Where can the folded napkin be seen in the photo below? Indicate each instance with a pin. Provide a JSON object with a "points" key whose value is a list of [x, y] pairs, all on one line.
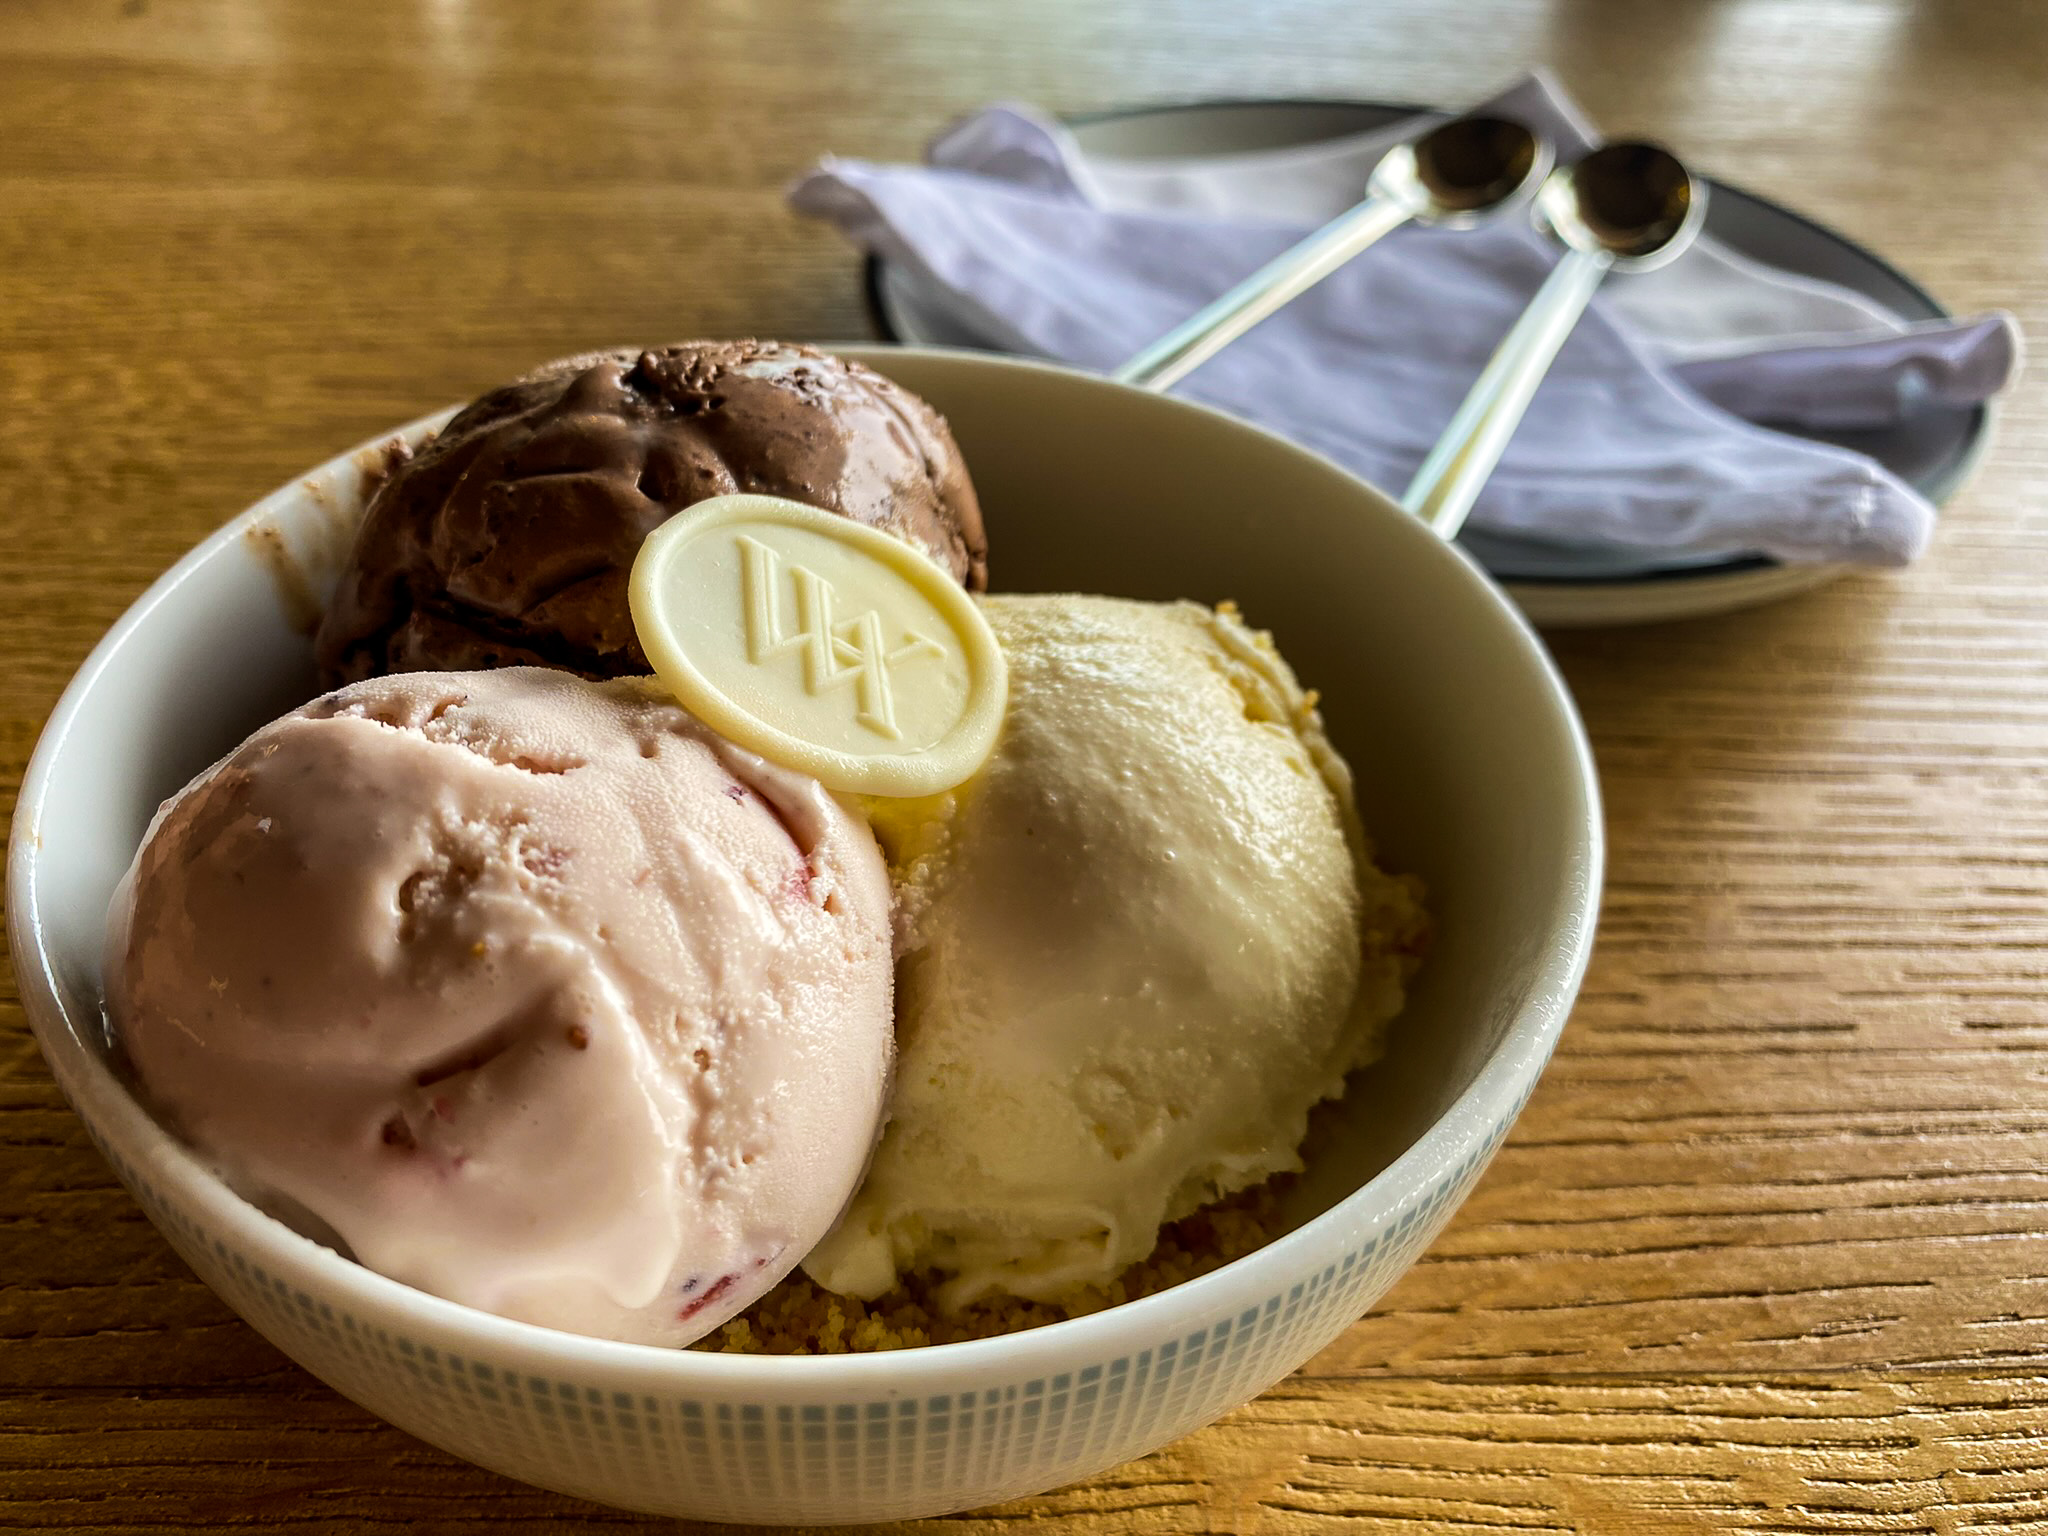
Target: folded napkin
{"points": [[1633, 439]]}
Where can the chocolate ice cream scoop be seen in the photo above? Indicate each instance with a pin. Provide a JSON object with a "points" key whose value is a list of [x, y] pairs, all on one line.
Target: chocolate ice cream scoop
{"points": [[508, 540]]}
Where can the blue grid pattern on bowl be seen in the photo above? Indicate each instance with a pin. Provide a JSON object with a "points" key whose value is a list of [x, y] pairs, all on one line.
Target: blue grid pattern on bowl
{"points": [[726, 1459]]}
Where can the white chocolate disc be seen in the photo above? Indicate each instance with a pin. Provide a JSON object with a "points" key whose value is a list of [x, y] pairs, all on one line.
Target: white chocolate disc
{"points": [[821, 644]]}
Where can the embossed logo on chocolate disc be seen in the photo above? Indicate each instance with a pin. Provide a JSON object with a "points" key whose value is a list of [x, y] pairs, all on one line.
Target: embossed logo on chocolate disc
{"points": [[821, 644], [836, 654]]}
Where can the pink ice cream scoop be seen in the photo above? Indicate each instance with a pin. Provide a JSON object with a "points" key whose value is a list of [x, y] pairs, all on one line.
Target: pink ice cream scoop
{"points": [[532, 992]]}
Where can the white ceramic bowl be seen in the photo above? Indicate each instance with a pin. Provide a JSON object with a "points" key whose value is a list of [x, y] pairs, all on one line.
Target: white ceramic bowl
{"points": [[1472, 771]]}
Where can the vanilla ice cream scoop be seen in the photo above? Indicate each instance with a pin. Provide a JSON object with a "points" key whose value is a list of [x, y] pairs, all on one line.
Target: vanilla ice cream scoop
{"points": [[1136, 949], [531, 992]]}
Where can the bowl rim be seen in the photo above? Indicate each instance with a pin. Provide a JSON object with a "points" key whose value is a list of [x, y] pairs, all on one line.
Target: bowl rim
{"points": [[1492, 1099]]}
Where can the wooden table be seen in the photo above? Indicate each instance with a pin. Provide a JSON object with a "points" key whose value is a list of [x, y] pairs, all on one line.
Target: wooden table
{"points": [[1769, 1250]]}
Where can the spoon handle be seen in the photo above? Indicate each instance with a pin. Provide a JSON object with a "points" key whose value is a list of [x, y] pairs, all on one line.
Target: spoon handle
{"points": [[1445, 488], [1295, 270]]}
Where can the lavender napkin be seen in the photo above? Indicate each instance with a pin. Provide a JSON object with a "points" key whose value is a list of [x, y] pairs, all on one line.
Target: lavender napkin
{"points": [[1632, 440]]}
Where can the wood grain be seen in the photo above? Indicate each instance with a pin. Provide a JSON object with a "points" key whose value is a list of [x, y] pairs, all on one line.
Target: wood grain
{"points": [[1769, 1250]]}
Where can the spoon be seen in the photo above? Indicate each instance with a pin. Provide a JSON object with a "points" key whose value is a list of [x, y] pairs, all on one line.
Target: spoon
{"points": [[1454, 175], [1628, 207]]}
